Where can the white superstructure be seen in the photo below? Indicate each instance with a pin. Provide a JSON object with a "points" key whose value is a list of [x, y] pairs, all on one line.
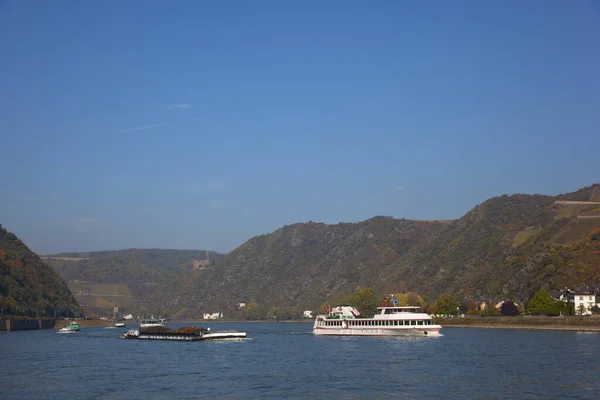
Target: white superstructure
{"points": [[389, 321], [149, 323]]}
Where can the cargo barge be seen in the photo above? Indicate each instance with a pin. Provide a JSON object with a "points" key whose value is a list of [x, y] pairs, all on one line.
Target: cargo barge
{"points": [[188, 333]]}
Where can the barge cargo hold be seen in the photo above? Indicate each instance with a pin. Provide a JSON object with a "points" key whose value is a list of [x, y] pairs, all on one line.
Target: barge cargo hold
{"points": [[188, 333]]}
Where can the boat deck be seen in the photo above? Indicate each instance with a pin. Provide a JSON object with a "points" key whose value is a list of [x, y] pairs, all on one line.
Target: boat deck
{"points": [[188, 337]]}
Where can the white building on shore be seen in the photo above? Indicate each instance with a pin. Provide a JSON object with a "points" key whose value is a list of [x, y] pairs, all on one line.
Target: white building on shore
{"points": [[584, 302]]}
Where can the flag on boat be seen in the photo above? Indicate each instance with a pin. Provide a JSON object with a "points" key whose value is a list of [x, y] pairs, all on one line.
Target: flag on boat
{"points": [[395, 302], [327, 309]]}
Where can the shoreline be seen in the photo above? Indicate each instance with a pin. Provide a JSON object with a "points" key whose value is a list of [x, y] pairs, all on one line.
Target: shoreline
{"points": [[84, 323], [529, 327], [574, 323], [538, 323], [201, 321]]}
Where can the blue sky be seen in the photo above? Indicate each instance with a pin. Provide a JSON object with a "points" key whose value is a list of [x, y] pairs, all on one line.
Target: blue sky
{"points": [[193, 124]]}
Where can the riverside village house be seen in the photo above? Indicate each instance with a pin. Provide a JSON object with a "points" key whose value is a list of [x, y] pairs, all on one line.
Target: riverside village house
{"points": [[583, 300]]}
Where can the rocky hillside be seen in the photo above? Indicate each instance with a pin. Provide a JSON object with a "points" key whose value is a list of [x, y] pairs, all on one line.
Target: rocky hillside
{"points": [[27, 285], [299, 265], [506, 247]]}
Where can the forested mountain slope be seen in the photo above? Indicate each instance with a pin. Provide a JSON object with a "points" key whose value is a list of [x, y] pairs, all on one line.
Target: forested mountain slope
{"points": [[506, 247], [27, 285]]}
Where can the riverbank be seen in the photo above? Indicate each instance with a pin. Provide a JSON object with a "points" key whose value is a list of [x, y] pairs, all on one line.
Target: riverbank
{"points": [[591, 323], [24, 324], [83, 323], [213, 321]]}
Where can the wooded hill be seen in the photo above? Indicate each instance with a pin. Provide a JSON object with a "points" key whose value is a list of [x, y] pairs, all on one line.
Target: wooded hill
{"points": [[29, 287], [127, 278], [505, 248]]}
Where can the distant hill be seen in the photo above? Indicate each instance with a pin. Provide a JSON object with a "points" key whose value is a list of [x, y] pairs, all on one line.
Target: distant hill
{"points": [[127, 278], [506, 247], [27, 285]]}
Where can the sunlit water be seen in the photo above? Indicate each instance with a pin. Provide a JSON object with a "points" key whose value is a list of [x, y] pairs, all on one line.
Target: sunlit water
{"points": [[284, 360]]}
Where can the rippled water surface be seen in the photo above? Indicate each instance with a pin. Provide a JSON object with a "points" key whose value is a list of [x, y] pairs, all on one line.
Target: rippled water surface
{"points": [[284, 360]]}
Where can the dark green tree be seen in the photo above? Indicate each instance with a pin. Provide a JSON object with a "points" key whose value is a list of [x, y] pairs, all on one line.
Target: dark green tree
{"points": [[566, 307], [543, 304]]}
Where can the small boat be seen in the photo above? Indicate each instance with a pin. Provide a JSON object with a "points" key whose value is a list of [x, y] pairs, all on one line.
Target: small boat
{"points": [[70, 328], [120, 325], [389, 321]]}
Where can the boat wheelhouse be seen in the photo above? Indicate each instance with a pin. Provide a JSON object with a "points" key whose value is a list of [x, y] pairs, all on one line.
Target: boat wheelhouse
{"points": [[389, 321], [150, 323]]}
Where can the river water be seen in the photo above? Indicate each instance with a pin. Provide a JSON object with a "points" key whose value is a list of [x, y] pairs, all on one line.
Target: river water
{"points": [[285, 361]]}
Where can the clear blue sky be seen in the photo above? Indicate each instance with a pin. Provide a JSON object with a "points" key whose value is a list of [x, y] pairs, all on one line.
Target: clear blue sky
{"points": [[196, 124]]}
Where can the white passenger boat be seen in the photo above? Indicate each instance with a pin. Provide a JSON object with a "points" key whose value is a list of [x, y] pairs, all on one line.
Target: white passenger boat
{"points": [[389, 321]]}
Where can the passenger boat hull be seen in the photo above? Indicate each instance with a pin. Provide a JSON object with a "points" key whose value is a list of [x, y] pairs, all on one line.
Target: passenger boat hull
{"points": [[412, 331]]}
